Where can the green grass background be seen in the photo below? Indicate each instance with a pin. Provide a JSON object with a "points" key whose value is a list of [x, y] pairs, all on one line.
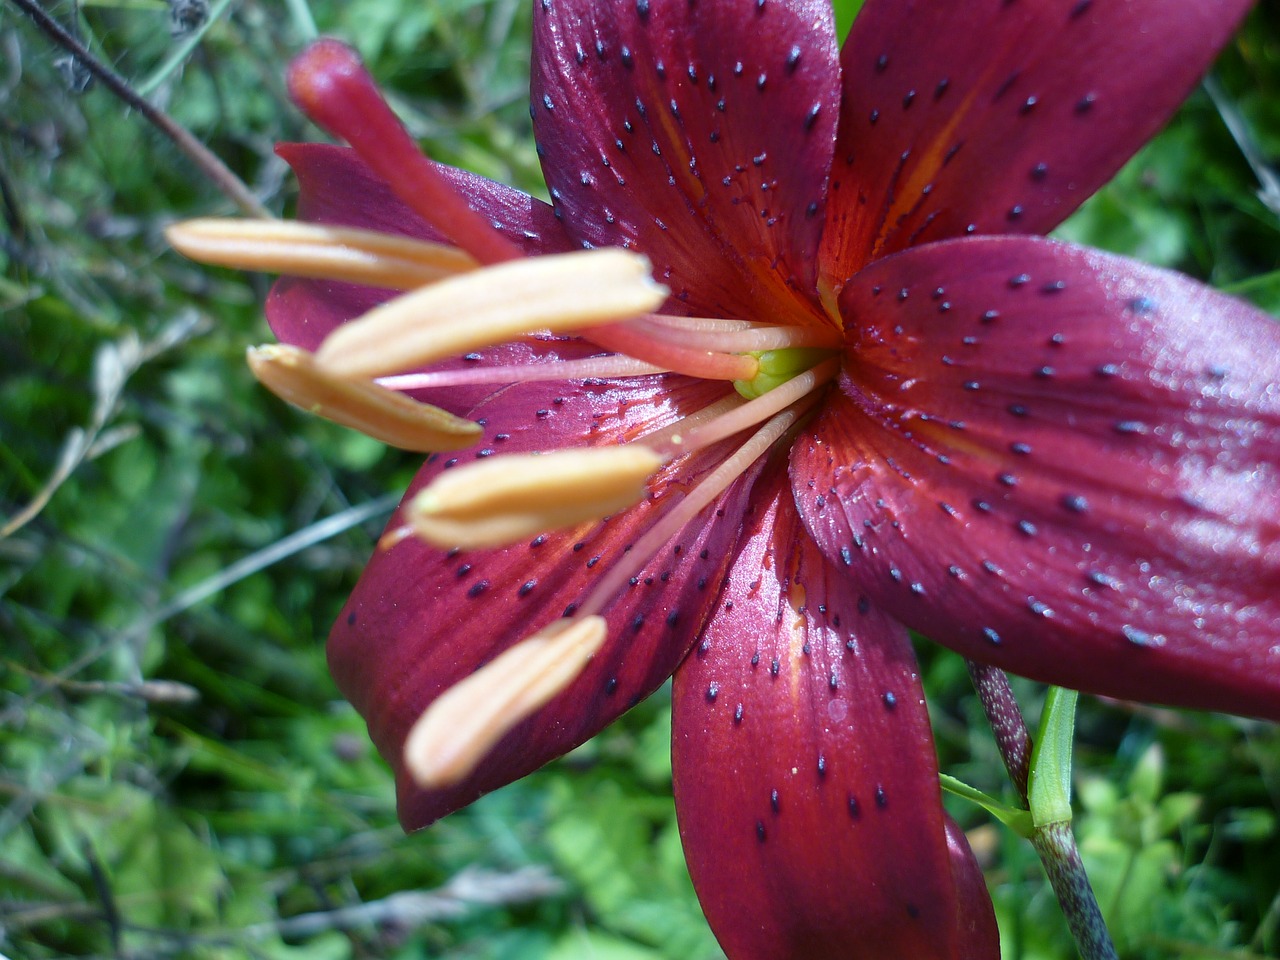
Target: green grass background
{"points": [[178, 776]]}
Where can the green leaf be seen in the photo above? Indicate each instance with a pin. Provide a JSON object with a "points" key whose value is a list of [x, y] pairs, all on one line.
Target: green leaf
{"points": [[1049, 785], [1017, 820]]}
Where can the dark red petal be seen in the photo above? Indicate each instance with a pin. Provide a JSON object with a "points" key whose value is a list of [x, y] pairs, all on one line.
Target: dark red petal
{"points": [[699, 134], [1063, 463], [805, 778], [975, 919], [421, 619], [336, 187], [1001, 117]]}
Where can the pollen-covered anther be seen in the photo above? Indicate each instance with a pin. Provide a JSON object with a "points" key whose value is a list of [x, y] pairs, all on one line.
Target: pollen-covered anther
{"points": [[493, 503], [560, 294], [464, 723], [291, 374], [325, 252]]}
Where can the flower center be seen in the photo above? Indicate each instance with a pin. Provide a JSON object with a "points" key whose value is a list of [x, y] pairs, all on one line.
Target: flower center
{"points": [[450, 306], [779, 366]]}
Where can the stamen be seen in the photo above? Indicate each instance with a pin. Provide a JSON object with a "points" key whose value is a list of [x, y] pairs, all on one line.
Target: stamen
{"points": [[757, 339], [704, 364], [331, 85], [586, 368], [324, 252], [465, 722], [492, 503], [671, 437], [291, 374], [750, 413], [562, 293], [683, 512]]}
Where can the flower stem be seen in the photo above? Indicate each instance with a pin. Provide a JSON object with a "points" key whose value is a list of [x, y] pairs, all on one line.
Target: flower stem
{"points": [[1053, 840], [1056, 845], [232, 186]]}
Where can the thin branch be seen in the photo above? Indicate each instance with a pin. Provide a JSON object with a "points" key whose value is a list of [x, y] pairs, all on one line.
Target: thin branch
{"points": [[209, 164]]}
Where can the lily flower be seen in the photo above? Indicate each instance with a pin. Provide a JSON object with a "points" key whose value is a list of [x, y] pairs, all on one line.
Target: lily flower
{"points": [[784, 371]]}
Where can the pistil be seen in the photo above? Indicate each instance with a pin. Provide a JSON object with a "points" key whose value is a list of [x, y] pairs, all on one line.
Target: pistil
{"points": [[651, 347], [334, 89], [753, 339]]}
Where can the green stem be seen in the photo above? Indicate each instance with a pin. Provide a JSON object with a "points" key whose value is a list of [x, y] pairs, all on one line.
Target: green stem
{"points": [[1056, 846], [1042, 777]]}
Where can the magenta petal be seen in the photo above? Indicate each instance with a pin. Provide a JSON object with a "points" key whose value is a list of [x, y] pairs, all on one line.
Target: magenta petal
{"points": [[1000, 117], [1063, 463], [699, 134], [421, 619], [336, 187], [805, 779]]}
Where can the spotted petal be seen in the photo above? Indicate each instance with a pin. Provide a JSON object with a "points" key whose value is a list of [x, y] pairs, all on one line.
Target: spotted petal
{"points": [[700, 134], [421, 619], [337, 188], [1061, 462], [1001, 117], [805, 778]]}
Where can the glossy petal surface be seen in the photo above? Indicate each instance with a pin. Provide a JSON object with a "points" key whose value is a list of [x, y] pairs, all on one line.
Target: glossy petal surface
{"points": [[337, 188], [1001, 117], [805, 778], [421, 619], [699, 134], [1063, 463]]}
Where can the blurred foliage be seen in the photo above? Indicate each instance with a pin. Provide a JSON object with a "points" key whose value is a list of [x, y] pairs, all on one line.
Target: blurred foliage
{"points": [[178, 776]]}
